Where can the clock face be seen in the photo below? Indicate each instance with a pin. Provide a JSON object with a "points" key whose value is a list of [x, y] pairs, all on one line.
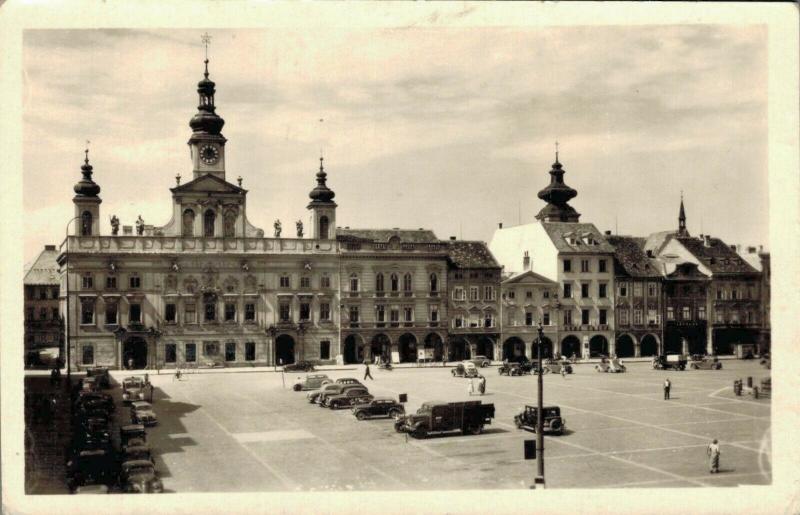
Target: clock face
{"points": [[209, 154]]}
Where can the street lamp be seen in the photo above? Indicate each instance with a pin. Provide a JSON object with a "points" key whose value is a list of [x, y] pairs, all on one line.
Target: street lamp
{"points": [[540, 401], [66, 318]]}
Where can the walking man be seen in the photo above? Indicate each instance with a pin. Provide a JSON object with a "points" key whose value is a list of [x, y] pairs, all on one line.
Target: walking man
{"points": [[667, 386], [564, 371], [482, 385], [713, 457], [366, 372]]}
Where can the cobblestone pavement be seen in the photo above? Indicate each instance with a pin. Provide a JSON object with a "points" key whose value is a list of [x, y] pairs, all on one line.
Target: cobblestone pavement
{"points": [[246, 432]]}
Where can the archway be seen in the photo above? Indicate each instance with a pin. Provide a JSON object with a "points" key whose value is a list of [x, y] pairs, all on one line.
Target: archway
{"points": [[459, 350], [134, 353], [408, 348], [649, 346], [513, 349], [284, 349], [381, 346], [673, 341], [598, 346], [547, 348], [353, 351], [434, 341], [485, 347], [570, 346], [625, 346]]}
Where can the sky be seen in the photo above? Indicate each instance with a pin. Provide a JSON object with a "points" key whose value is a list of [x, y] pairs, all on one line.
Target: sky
{"points": [[450, 129]]}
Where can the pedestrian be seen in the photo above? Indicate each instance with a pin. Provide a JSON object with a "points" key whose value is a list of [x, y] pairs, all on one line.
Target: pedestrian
{"points": [[54, 377], [713, 457], [563, 371], [482, 385], [366, 372], [470, 387], [130, 363], [667, 386]]}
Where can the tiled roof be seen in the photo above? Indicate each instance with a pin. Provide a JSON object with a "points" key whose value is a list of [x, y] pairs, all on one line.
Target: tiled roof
{"points": [[581, 234], [657, 241], [630, 258], [384, 235], [470, 254], [717, 256], [45, 269], [529, 274]]}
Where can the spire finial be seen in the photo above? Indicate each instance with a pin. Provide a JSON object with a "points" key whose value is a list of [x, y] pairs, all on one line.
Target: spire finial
{"points": [[681, 195], [86, 151], [206, 39], [556, 151], [321, 159]]}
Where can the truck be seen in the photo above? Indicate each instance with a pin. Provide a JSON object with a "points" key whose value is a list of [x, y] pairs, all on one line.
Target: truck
{"points": [[670, 361], [438, 417]]}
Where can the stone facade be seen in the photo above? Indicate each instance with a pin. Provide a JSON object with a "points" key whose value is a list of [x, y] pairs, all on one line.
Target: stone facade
{"points": [[529, 299]]}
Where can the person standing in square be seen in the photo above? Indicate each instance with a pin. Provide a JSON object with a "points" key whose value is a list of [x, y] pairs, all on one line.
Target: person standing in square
{"points": [[713, 457], [667, 386]]}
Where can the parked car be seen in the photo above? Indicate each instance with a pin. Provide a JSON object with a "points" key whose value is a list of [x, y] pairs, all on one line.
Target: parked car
{"points": [[89, 467], [142, 413], [465, 369], [335, 389], [139, 476], [93, 433], [552, 422], [131, 436], [441, 417], [705, 363], [137, 452], [556, 366], [379, 407], [613, 365], [669, 361], [513, 369], [348, 398], [133, 389], [299, 366], [480, 361], [311, 382], [102, 375], [85, 397], [89, 384]]}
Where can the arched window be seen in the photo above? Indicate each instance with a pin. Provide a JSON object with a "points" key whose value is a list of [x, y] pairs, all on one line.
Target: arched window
{"points": [[434, 283], [323, 228], [86, 224], [394, 282], [407, 282], [208, 223], [188, 222], [379, 282], [353, 283], [230, 224]]}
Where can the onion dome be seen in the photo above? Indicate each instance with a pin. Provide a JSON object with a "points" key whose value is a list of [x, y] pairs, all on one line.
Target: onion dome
{"points": [[206, 120], [322, 194], [86, 187], [557, 194]]}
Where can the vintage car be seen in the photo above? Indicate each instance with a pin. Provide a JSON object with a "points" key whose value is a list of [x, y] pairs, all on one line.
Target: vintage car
{"points": [[334, 389], [133, 389], [480, 361], [137, 452], [311, 382], [139, 476], [613, 365], [142, 413], [89, 384], [94, 408], [513, 369], [132, 435], [90, 467], [347, 398], [379, 407], [465, 369], [101, 374], [93, 433], [313, 395], [555, 366], [766, 361], [705, 363], [85, 396], [669, 362], [551, 419], [442, 417], [299, 366]]}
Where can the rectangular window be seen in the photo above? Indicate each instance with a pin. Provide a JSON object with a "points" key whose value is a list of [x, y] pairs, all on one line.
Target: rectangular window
{"points": [[111, 313], [474, 293], [567, 291], [28, 313], [546, 318], [408, 314], [249, 312], [701, 312], [652, 316], [170, 315], [305, 282], [191, 352], [473, 320], [87, 282], [433, 313], [54, 293], [210, 311], [380, 313], [305, 311], [568, 317], [190, 313], [670, 313], [528, 294], [88, 355], [568, 265], [719, 293], [170, 353], [622, 290], [651, 289], [135, 313], [584, 317], [719, 316], [284, 312], [324, 311], [325, 349], [545, 294], [637, 289], [353, 314], [734, 317], [637, 317], [734, 294], [55, 313], [528, 318], [488, 320], [230, 311], [584, 290], [135, 282], [584, 265], [353, 283], [394, 315], [603, 317], [458, 321], [511, 294], [325, 281], [43, 314], [87, 312], [602, 265], [488, 293], [111, 282], [458, 293], [686, 313], [284, 281], [42, 294], [623, 317], [250, 351], [230, 351], [602, 290]]}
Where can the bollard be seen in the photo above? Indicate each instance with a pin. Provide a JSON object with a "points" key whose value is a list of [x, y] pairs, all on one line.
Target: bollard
{"points": [[749, 381]]}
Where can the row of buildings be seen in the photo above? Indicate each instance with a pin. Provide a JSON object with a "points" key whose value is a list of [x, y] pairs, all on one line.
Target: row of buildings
{"points": [[208, 287]]}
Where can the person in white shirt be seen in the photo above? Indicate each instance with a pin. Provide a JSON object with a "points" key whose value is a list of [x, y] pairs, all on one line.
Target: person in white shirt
{"points": [[713, 457]]}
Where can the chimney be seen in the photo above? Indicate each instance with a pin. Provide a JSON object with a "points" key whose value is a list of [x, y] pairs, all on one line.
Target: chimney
{"points": [[733, 247], [452, 238], [49, 247], [500, 225], [761, 248], [707, 241], [751, 250], [526, 261], [608, 233]]}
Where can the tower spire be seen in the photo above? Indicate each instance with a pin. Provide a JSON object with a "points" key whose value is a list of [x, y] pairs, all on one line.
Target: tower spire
{"points": [[557, 195], [682, 219]]}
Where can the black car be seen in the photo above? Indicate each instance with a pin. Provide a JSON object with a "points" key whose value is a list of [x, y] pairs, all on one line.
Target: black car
{"points": [[551, 419], [140, 476], [90, 467], [379, 407], [299, 366], [101, 374]]}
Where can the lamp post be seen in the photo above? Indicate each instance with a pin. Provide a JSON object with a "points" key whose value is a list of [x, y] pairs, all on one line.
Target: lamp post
{"points": [[66, 284], [539, 408]]}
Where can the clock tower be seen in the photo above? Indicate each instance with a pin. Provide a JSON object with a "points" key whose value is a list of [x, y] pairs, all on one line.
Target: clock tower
{"points": [[207, 143]]}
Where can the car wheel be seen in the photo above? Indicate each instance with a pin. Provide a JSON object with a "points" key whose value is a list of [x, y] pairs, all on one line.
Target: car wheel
{"points": [[420, 432], [334, 405], [484, 364], [394, 413], [475, 430], [397, 426], [360, 415], [296, 387]]}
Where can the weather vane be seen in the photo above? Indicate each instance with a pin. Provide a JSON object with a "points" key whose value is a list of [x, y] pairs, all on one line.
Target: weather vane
{"points": [[86, 151], [206, 39]]}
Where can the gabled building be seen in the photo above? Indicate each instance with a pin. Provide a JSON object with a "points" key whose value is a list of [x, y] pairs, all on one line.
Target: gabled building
{"points": [[43, 327], [528, 299], [473, 293]]}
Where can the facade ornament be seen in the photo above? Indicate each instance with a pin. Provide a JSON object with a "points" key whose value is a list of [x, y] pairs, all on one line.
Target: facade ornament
{"points": [[175, 267], [277, 226], [307, 265], [299, 225], [112, 266], [114, 225], [245, 266], [139, 225]]}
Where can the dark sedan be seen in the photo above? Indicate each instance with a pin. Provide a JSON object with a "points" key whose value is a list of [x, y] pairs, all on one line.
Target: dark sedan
{"points": [[379, 407]]}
